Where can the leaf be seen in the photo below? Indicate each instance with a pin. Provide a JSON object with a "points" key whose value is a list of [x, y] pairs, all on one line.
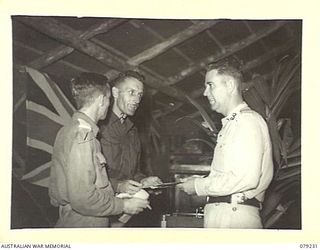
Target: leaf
{"points": [[288, 174], [153, 131], [281, 209], [275, 139], [296, 145], [254, 101], [203, 113], [211, 145], [270, 203], [290, 67], [293, 162], [211, 134], [278, 106], [294, 154], [276, 76], [262, 89], [283, 185], [286, 80]]}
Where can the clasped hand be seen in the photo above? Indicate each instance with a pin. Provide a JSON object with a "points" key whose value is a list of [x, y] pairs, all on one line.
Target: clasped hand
{"points": [[187, 185], [150, 181], [132, 187], [129, 186]]}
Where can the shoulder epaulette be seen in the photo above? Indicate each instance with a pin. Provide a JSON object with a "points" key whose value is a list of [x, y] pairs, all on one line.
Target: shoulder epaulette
{"points": [[85, 132], [246, 110]]}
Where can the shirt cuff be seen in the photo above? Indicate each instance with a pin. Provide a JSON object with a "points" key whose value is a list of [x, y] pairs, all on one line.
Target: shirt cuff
{"points": [[200, 186]]}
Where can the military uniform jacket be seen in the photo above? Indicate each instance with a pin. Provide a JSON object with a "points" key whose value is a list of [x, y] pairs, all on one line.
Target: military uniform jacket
{"points": [[242, 161], [79, 184]]}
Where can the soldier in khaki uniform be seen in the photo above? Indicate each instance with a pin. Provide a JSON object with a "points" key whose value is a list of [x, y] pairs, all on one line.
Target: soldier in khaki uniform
{"points": [[79, 185], [242, 166]]}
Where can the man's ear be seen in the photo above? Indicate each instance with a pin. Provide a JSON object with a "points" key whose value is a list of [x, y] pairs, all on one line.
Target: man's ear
{"points": [[231, 85], [101, 100], [115, 92]]}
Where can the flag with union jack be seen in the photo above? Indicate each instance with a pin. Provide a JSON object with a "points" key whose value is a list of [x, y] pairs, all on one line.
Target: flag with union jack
{"points": [[47, 110]]}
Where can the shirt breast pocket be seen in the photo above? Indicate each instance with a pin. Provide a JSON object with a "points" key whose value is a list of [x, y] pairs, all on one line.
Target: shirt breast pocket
{"points": [[224, 146]]}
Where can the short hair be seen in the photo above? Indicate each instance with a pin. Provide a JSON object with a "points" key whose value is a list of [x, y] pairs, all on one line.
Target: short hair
{"points": [[227, 67], [117, 82], [87, 86]]}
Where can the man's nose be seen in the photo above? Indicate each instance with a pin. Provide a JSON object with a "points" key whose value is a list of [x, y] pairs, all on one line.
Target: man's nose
{"points": [[205, 92], [136, 98]]}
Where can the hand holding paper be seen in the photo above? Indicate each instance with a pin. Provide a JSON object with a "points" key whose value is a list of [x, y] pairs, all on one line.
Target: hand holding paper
{"points": [[139, 201]]}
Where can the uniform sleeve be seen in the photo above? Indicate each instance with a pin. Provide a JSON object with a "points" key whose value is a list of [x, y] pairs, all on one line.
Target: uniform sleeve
{"points": [[85, 197], [112, 154], [242, 158]]}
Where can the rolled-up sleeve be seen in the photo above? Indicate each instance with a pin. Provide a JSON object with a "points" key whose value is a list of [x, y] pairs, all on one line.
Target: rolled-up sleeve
{"points": [[240, 157], [85, 197]]}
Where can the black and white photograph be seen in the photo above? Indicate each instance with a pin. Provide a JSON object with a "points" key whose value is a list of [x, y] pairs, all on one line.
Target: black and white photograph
{"points": [[122, 122]]}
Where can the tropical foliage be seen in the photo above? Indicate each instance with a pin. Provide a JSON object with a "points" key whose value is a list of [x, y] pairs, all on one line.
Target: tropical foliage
{"points": [[270, 100]]}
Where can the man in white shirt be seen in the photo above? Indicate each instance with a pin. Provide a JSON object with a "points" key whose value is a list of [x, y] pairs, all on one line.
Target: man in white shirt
{"points": [[242, 166]]}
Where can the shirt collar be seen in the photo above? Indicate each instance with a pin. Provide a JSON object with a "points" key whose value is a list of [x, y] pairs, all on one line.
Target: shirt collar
{"points": [[121, 116], [83, 116], [114, 119], [234, 113]]}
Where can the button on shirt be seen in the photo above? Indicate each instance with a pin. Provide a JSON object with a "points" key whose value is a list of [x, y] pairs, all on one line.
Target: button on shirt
{"points": [[242, 159], [79, 183]]}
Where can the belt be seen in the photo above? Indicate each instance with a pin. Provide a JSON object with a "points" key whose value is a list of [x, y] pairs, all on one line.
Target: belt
{"points": [[227, 199]]}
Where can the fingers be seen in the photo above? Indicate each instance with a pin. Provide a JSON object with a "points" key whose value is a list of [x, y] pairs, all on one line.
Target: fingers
{"points": [[141, 204], [130, 186], [151, 181], [134, 205], [180, 186], [134, 183], [133, 189], [157, 181]]}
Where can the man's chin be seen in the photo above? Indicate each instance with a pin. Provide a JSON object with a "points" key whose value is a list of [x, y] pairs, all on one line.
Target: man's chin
{"points": [[213, 106], [130, 112]]}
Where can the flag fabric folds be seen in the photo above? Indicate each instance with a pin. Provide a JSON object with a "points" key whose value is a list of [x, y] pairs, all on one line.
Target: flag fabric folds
{"points": [[43, 121]]}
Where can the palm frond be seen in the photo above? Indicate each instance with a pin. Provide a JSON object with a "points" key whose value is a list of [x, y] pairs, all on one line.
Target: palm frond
{"points": [[262, 88], [296, 145], [212, 135], [275, 139], [287, 174], [294, 154], [280, 210], [276, 75], [210, 144], [254, 101], [284, 185], [281, 102], [292, 162], [203, 113], [286, 80]]}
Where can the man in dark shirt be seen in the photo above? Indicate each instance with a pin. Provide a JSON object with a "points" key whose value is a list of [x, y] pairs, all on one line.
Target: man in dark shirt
{"points": [[119, 137]]}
